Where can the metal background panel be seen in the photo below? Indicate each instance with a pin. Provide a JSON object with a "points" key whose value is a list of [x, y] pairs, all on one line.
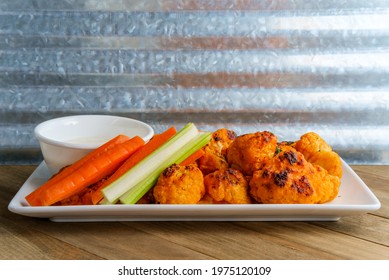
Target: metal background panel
{"points": [[284, 66]]}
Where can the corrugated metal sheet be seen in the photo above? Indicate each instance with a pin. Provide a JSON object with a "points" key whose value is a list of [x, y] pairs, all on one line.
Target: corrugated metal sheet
{"points": [[283, 66]]}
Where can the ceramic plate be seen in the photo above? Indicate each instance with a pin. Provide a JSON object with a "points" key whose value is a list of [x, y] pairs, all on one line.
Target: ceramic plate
{"points": [[354, 198]]}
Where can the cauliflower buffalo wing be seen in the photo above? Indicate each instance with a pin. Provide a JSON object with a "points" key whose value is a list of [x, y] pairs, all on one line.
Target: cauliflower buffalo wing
{"points": [[289, 178], [180, 185], [317, 151], [215, 151], [227, 186], [249, 152]]}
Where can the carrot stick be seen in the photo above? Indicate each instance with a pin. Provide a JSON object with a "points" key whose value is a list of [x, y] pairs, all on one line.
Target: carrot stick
{"points": [[34, 197], [193, 157], [143, 152], [92, 171]]}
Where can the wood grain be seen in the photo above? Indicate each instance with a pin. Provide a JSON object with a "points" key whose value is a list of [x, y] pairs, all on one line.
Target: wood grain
{"points": [[364, 236]]}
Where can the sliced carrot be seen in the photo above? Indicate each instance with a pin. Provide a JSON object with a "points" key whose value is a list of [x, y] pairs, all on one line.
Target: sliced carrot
{"points": [[193, 157], [90, 172], [143, 152], [34, 197]]}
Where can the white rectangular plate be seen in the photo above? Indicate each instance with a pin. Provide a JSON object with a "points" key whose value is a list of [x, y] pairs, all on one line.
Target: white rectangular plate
{"points": [[354, 198]]}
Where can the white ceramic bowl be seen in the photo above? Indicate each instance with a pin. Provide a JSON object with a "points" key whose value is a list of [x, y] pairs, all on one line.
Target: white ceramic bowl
{"points": [[67, 139]]}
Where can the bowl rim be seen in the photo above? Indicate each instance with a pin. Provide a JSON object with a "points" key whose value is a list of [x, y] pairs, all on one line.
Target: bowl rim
{"points": [[59, 143]]}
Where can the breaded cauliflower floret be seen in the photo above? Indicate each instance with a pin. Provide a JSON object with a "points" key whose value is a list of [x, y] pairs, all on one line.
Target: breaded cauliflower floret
{"points": [[227, 186], [249, 152], [215, 151], [180, 185], [328, 185], [290, 178], [318, 152]]}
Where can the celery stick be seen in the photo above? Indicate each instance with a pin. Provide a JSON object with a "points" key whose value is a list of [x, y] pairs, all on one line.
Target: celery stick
{"points": [[203, 139], [135, 193], [143, 169]]}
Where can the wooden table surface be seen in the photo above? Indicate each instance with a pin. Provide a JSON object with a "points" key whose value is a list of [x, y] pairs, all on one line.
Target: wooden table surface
{"points": [[364, 236]]}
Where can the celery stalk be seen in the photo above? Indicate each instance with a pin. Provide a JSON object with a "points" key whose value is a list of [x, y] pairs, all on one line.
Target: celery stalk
{"points": [[147, 166], [135, 193], [202, 139]]}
